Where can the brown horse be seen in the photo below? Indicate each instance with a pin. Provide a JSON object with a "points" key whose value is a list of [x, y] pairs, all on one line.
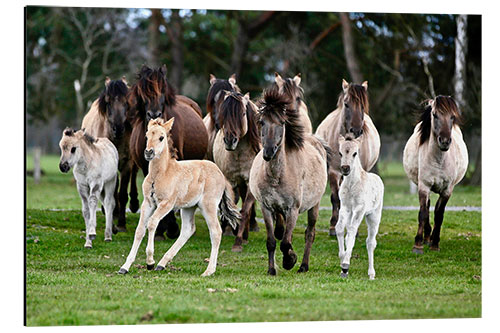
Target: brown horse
{"points": [[213, 97], [235, 147], [153, 97], [435, 158], [107, 118], [351, 117]]}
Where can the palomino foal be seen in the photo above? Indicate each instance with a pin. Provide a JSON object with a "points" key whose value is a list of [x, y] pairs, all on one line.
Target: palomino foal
{"points": [[95, 166], [361, 195], [435, 158], [184, 185]]}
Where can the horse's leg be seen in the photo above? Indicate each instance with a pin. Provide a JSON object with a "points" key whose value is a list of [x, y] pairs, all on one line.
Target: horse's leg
{"points": [[116, 209], [279, 230], [423, 219], [109, 204], [147, 208], [248, 204], [289, 257], [312, 217], [344, 216], [271, 241], [134, 201], [254, 226], [123, 198], [84, 194], [95, 191], [352, 228], [187, 230], [227, 230], [372, 222], [244, 190], [335, 200], [162, 209], [210, 214], [427, 227], [168, 224], [438, 220]]}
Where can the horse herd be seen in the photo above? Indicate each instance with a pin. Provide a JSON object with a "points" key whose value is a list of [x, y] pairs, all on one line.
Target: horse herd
{"points": [[263, 150]]}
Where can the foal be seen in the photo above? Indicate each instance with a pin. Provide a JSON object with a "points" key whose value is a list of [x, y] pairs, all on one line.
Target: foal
{"points": [[435, 158], [184, 185], [95, 166], [361, 195]]}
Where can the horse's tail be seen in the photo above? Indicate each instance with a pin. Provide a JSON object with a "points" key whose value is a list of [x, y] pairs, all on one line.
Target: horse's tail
{"points": [[228, 211]]}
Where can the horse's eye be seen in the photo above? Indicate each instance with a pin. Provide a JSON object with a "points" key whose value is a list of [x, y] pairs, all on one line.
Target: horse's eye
{"points": [[434, 115], [73, 150], [354, 155], [346, 105], [161, 138], [452, 118], [340, 154]]}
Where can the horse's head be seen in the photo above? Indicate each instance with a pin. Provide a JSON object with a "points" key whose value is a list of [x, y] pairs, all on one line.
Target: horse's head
{"points": [[71, 147], [112, 105], [157, 137], [289, 86], [348, 150], [280, 123], [444, 114], [354, 103], [216, 93], [233, 117]]}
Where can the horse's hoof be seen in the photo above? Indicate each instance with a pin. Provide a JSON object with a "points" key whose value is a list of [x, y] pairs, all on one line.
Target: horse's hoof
{"points": [[371, 277], [332, 232], [134, 206], [159, 238], [150, 267], [114, 230], [237, 248], [271, 271], [92, 236], [418, 250], [345, 267], [344, 275], [120, 228], [107, 240], [279, 232], [158, 268], [254, 227], [434, 248], [303, 268], [122, 271], [87, 246], [289, 261]]}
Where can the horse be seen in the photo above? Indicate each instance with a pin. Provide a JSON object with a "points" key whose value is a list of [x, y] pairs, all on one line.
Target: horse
{"points": [[235, 147], [350, 117], [291, 87], [153, 97], [213, 96], [288, 176], [183, 185], [361, 195], [107, 118], [95, 165], [435, 158]]}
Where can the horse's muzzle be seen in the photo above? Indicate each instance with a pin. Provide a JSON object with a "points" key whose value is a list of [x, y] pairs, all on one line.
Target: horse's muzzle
{"points": [[64, 167], [149, 154], [345, 169], [444, 143]]}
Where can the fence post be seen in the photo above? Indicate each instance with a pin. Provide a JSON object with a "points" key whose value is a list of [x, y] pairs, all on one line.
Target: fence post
{"points": [[37, 170]]}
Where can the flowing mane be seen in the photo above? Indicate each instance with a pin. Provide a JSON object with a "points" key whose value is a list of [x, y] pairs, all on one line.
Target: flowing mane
{"points": [[357, 95], [290, 89], [115, 88], [280, 109], [151, 85], [445, 105]]}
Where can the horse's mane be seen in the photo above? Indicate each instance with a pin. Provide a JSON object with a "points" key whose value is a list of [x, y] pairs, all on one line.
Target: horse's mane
{"points": [[87, 138], [358, 95], [231, 116], [442, 104], [279, 108], [150, 85], [115, 88], [218, 87], [290, 89]]}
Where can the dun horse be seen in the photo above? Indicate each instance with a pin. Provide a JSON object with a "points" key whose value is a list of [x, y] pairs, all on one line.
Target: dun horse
{"points": [[350, 117], [292, 89], [153, 97], [288, 177], [217, 86], [94, 163], [235, 147], [107, 118], [182, 185], [361, 194], [435, 158]]}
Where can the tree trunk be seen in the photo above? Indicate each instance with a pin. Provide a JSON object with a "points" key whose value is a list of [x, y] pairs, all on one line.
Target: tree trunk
{"points": [[460, 55], [350, 54], [154, 37], [176, 49]]}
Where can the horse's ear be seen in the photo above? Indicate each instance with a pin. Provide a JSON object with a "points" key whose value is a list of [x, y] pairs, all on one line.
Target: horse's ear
{"points": [[68, 131], [232, 80], [297, 79], [345, 86], [163, 69], [124, 80], [365, 85], [107, 81], [246, 99], [212, 79], [168, 125], [341, 139]]}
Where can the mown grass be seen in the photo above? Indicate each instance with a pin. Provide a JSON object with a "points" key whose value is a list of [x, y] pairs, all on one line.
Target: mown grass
{"points": [[69, 285]]}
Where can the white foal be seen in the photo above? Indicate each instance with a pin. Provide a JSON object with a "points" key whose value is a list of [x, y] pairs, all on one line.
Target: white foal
{"points": [[361, 194], [95, 167]]}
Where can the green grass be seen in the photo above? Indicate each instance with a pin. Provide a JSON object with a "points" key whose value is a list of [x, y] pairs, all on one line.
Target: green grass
{"points": [[69, 285]]}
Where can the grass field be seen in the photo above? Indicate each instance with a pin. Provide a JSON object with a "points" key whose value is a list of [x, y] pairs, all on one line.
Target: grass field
{"points": [[69, 285]]}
